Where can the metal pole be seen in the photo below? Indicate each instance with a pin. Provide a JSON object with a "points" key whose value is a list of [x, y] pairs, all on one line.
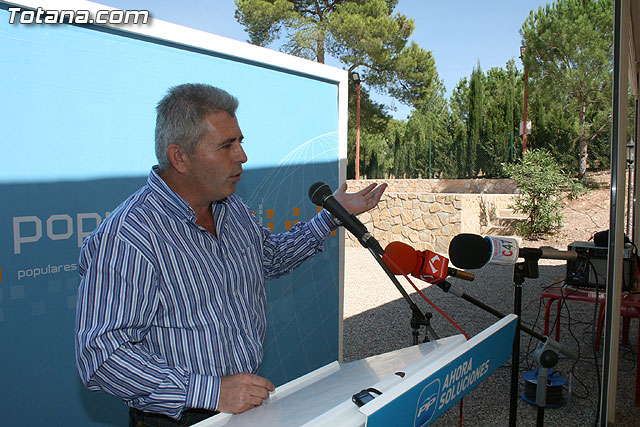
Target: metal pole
{"points": [[634, 169], [523, 49], [518, 281], [621, 36], [429, 171], [358, 132], [629, 165], [524, 116]]}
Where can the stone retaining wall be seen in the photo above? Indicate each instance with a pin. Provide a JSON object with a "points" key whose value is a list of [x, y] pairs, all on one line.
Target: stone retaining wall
{"points": [[456, 186], [412, 212]]}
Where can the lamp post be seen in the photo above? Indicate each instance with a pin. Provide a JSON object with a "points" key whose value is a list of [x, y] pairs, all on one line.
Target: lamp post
{"points": [[523, 49], [356, 79], [631, 151]]}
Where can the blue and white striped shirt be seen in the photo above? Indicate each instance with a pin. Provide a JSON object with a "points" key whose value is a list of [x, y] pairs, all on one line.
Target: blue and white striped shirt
{"points": [[165, 308]]}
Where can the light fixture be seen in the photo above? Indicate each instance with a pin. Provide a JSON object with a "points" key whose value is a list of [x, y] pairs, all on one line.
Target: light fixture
{"points": [[523, 49]]}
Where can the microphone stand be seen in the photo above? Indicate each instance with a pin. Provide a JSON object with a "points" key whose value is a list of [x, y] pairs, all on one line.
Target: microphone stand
{"points": [[418, 319], [528, 268], [321, 195]]}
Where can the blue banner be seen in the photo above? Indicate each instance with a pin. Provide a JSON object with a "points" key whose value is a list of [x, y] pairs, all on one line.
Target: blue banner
{"points": [[78, 118]]}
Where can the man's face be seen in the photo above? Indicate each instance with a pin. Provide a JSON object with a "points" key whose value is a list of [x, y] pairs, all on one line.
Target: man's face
{"points": [[216, 165]]}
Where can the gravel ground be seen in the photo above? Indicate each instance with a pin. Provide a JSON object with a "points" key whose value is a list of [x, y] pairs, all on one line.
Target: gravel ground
{"points": [[377, 321]]}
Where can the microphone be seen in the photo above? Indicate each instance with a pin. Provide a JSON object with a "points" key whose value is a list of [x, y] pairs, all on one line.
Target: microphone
{"points": [[424, 265], [321, 195], [472, 251]]}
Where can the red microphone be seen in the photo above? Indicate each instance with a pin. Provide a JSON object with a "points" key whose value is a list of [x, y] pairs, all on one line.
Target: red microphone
{"points": [[424, 265]]}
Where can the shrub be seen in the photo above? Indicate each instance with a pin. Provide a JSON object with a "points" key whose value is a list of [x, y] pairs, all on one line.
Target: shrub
{"points": [[541, 183]]}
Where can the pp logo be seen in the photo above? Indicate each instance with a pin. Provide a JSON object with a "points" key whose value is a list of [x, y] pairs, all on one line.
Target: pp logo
{"points": [[427, 403]]}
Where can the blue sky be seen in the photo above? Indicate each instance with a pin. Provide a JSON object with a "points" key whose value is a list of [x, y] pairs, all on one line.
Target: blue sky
{"points": [[459, 33]]}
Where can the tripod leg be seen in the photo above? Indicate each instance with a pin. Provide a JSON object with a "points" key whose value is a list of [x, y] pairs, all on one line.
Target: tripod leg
{"points": [[429, 330], [541, 394]]}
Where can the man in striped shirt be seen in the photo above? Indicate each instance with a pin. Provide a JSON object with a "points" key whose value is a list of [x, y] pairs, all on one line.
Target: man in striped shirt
{"points": [[171, 309]]}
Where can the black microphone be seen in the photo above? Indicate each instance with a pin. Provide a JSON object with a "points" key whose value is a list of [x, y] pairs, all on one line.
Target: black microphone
{"points": [[470, 251], [321, 195]]}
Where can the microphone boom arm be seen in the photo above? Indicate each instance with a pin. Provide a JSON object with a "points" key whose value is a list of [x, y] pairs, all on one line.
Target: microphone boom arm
{"points": [[449, 288]]}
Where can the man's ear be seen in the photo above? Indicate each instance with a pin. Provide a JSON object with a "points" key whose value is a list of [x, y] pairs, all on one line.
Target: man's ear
{"points": [[177, 158]]}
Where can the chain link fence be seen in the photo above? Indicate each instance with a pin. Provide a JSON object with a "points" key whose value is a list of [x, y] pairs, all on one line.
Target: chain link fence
{"points": [[433, 158]]}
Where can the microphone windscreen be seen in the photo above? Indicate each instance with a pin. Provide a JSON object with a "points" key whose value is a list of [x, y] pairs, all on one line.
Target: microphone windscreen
{"points": [[469, 251], [601, 238], [403, 256], [318, 192]]}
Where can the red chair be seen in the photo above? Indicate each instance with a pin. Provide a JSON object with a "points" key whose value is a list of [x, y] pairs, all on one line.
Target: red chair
{"points": [[629, 308]]}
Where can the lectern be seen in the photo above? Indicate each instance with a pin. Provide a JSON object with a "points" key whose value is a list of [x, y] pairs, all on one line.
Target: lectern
{"points": [[412, 386]]}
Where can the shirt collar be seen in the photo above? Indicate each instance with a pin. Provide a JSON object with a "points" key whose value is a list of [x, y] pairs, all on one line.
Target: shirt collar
{"points": [[169, 198], [172, 200]]}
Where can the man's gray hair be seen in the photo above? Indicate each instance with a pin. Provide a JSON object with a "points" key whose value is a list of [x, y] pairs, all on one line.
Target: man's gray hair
{"points": [[181, 116]]}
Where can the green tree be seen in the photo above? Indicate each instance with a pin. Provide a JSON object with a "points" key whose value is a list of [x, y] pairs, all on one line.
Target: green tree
{"points": [[458, 129], [427, 131], [360, 34], [569, 56], [502, 116], [541, 182], [554, 128], [483, 125], [476, 117], [397, 143]]}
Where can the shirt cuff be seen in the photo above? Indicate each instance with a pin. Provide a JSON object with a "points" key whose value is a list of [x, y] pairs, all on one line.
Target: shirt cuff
{"points": [[203, 392], [321, 224]]}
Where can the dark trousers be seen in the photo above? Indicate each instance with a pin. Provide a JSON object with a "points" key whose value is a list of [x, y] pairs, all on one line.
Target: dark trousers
{"points": [[138, 418]]}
